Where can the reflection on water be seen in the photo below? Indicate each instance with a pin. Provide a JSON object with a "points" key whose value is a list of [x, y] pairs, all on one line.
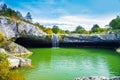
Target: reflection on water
{"points": [[67, 64]]}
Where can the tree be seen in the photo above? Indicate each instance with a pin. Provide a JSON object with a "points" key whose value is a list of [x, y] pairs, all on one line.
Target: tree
{"points": [[19, 14], [67, 31], [79, 29], [95, 28], [28, 17], [4, 7], [55, 29], [115, 23]]}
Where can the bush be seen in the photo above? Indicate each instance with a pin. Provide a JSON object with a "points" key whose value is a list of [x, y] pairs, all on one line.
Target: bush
{"points": [[1, 37], [5, 72]]}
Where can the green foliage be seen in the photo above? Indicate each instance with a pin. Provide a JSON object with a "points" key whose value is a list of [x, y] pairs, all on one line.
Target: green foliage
{"points": [[1, 37], [9, 13], [48, 30], [55, 29], [5, 72], [85, 32], [38, 25], [115, 23], [98, 30], [95, 28], [3, 56], [79, 29], [67, 32]]}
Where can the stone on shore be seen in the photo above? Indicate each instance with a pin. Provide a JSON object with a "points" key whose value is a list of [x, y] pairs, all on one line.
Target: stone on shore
{"points": [[16, 62], [17, 50]]}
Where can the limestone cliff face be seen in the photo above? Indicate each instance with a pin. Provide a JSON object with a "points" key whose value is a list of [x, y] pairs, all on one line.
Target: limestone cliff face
{"points": [[12, 29], [15, 29], [90, 38]]}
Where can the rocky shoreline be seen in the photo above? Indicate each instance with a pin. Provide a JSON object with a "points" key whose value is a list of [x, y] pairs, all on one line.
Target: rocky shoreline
{"points": [[15, 61], [98, 78]]}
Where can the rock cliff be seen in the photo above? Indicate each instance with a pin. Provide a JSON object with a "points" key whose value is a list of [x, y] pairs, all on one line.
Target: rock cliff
{"points": [[10, 30], [90, 38], [15, 28]]}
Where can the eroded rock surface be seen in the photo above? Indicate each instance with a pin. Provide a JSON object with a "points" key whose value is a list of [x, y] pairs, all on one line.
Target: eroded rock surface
{"points": [[16, 62], [90, 38], [15, 29]]}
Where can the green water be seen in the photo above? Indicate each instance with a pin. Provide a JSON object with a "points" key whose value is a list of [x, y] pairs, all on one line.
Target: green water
{"points": [[69, 63]]}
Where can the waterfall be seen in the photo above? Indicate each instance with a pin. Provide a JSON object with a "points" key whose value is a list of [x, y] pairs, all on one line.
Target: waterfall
{"points": [[55, 40]]}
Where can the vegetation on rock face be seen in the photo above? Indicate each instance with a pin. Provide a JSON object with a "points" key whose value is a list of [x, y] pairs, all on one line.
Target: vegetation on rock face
{"points": [[8, 12], [3, 40], [5, 72], [1, 37]]}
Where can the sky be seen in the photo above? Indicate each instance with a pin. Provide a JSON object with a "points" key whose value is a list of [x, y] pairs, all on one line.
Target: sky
{"points": [[68, 14]]}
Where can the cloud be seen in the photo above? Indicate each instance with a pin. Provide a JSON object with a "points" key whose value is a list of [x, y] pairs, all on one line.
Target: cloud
{"points": [[71, 22]]}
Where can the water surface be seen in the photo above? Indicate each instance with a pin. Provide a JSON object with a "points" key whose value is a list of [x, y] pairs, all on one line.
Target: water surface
{"points": [[69, 63]]}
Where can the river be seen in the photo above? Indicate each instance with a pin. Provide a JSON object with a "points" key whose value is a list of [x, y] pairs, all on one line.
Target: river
{"points": [[69, 63]]}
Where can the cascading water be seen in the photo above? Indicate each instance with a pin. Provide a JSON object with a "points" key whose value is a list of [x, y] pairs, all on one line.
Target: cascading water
{"points": [[55, 40]]}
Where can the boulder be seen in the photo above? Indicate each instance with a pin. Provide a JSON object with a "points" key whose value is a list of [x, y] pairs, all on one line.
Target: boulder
{"points": [[118, 50], [2, 51], [14, 62], [17, 50], [25, 62]]}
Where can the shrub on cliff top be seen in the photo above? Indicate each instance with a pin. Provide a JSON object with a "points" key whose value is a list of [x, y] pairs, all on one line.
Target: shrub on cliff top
{"points": [[5, 72]]}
